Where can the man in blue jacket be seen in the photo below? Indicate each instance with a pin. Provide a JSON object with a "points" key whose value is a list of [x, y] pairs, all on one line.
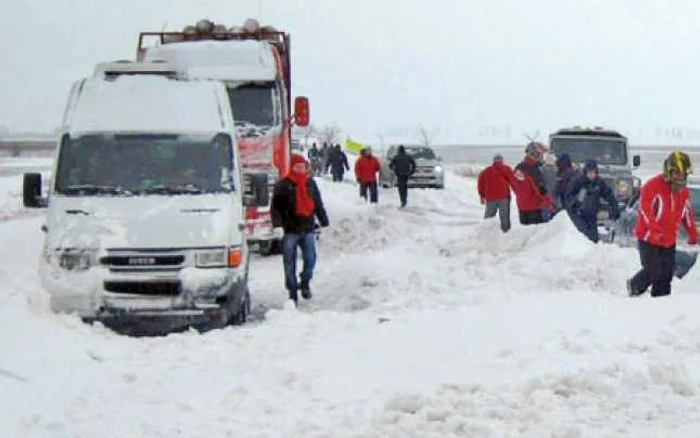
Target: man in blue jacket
{"points": [[583, 200]]}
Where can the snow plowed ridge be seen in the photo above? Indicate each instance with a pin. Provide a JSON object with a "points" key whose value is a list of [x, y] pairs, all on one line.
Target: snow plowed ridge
{"points": [[426, 322]]}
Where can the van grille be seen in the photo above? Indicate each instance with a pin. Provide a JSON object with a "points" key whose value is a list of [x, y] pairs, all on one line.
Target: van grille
{"points": [[154, 288]]}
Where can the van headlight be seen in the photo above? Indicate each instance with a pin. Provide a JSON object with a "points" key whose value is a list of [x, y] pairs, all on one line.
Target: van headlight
{"points": [[76, 259], [438, 169], [624, 187], [211, 258]]}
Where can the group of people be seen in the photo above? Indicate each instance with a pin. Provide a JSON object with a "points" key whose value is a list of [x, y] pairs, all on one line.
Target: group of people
{"points": [[328, 159], [542, 190], [543, 187]]}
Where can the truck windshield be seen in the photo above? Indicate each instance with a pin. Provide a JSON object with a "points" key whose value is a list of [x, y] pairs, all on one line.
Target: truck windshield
{"points": [[134, 164], [254, 105], [421, 153], [603, 150]]}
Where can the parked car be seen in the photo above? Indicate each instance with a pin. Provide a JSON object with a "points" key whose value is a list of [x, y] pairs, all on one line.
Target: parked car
{"points": [[429, 171]]}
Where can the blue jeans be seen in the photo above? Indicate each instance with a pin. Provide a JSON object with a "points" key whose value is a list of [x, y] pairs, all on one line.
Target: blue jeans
{"points": [[290, 242]]}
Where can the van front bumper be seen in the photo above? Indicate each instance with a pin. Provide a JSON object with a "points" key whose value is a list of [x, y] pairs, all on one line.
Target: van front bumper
{"points": [[147, 303]]}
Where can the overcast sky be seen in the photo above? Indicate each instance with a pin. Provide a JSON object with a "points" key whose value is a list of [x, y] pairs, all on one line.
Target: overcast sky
{"points": [[469, 71]]}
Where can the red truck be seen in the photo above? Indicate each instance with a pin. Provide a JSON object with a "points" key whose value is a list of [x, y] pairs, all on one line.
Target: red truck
{"points": [[255, 65]]}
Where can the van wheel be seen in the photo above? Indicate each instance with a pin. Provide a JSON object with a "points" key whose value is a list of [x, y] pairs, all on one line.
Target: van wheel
{"points": [[243, 309]]}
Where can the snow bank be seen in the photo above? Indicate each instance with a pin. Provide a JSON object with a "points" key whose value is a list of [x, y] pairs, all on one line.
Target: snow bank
{"points": [[426, 322]]}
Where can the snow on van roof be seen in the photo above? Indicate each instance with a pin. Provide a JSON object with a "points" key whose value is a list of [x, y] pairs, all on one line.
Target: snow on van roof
{"points": [[145, 103], [222, 60]]}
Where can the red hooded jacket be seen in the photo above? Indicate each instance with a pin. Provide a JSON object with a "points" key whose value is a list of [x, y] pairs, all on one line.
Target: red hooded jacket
{"points": [[366, 168], [528, 186], [492, 183], [661, 210]]}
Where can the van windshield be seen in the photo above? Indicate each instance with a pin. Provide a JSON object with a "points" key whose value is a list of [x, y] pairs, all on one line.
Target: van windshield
{"points": [[254, 105], [133, 164]]}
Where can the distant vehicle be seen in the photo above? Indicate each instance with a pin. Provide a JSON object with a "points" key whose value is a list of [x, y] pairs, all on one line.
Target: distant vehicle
{"points": [[610, 149], [145, 226], [254, 62], [429, 171]]}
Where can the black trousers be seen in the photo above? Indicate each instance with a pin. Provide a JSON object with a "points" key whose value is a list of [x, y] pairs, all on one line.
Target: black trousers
{"points": [[402, 185], [372, 187], [657, 270], [531, 217]]}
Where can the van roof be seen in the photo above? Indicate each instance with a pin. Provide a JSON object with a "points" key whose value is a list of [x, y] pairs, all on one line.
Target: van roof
{"points": [[146, 103], [223, 60]]}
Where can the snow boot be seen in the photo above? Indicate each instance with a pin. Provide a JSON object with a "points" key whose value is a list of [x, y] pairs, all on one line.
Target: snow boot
{"points": [[305, 291], [631, 292], [293, 296]]}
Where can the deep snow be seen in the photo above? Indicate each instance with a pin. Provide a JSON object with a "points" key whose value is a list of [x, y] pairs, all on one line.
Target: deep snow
{"points": [[426, 322]]}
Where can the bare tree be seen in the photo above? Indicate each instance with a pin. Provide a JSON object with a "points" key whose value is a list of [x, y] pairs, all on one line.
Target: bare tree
{"points": [[425, 135], [380, 136], [309, 131], [329, 134], [533, 137]]}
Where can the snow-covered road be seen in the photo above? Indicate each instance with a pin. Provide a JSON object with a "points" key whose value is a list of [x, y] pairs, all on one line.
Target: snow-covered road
{"points": [[426, 322]]}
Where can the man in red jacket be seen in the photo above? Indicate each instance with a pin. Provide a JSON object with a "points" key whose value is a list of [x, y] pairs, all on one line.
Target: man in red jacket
{"points": [[494, 191], [664, 203], [528, 184], [366, 168]]}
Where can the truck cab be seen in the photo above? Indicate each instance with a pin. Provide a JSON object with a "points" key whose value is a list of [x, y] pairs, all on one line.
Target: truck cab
{"points": [[253, 62], [145, 212], [609, 149]]}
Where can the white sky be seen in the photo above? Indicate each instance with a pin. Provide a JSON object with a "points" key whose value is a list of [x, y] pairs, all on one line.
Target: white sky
{"points": [[469, 71]]}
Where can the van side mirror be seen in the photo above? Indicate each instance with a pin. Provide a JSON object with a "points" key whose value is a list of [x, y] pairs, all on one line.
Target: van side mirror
{"points": [[636, 161], [31, 191], [301, 111], [255, 190]]}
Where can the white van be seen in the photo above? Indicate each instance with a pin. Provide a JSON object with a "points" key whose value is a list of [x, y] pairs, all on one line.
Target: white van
{"points": [[145, 221]]}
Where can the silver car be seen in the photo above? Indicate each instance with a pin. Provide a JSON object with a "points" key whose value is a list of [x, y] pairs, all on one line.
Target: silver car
{"points": [[429, 172]]}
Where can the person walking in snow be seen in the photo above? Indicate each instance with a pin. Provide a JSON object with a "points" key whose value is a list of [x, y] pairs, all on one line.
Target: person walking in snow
{"points": [[339, 163], [565, 173], [366, 168], [664, 204], [296, 204], [528, 184], [314, 155], [582, 200], [494, 191], [403, 165], [326, 157]]}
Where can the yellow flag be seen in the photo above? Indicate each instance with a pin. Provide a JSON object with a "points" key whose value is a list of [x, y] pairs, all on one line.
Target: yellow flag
{"points": [[353, 146]]}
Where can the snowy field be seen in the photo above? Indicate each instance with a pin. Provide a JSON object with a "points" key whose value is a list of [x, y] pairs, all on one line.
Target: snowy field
{"points": [[426, 322]]}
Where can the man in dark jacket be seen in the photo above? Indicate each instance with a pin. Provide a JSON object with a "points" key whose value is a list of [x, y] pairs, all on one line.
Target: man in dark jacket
{"points": [[403, 166], [296, 204], [339, 163], [494, 191], [583, 200], [565, 173], [314, 155]]}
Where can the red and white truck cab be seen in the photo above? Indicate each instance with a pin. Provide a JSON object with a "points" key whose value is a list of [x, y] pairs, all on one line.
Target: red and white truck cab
{"points": [[254, 64]]}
